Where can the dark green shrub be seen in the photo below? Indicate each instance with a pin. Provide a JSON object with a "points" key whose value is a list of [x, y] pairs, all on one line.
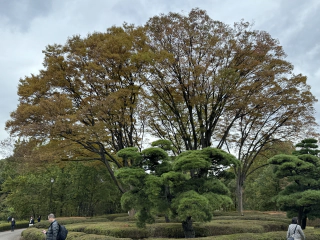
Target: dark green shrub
{"points": [[168, 230], [111, 217], [19, 224], [36, 234]]}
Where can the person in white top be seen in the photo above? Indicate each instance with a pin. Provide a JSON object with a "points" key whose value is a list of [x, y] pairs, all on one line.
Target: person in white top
{"points": [[295, 230]]}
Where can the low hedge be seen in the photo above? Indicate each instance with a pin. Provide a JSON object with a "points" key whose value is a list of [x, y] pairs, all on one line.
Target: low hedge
{"points": [[156, 231], [222, 227], [115, 229], [173, 230], [19, 224], [70, 220], [168, 230], [36, 234], [311, 234]]}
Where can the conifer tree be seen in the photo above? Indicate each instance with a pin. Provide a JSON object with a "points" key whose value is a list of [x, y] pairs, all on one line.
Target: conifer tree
{"points": [[301, 171]]}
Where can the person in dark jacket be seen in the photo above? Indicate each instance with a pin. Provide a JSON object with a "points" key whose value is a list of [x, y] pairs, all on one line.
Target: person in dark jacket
{"points": [[39, 218], [53, 229], [13, 224], [31, 221]]}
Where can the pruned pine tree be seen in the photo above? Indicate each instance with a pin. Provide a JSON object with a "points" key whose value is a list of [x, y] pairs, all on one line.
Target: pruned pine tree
{"points": [[188, 188], [307, 146], [301, 196]]}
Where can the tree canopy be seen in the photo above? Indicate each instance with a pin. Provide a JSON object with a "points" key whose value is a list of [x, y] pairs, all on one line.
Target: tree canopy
{"points": [[301, 195], [185, 78], [188, 188]]}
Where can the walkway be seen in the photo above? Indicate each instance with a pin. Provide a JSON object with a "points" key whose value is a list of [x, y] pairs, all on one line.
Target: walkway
{"points": [[8, 235]]}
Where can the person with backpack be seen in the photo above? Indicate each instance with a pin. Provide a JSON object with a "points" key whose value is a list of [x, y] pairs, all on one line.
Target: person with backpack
{"points": [[53, 230], [295, 231]]}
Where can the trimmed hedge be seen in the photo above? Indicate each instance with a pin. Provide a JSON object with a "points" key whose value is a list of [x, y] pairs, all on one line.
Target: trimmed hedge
{"points": [[19, 224], [222, 227], [36, 234], [115, 229]]}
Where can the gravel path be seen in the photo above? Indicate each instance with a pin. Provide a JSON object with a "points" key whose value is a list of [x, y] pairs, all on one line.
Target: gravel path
{"points": [[8, 235]]}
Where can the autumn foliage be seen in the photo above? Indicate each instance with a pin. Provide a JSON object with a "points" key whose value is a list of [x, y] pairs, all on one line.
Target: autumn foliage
{"points": [[188, 79]]}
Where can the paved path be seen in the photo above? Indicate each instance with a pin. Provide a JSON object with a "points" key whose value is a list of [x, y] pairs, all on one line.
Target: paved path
{"points": [[8, 235]]}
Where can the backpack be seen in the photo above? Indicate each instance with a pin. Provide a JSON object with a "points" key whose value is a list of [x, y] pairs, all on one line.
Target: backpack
{"points": [[62, 233]]}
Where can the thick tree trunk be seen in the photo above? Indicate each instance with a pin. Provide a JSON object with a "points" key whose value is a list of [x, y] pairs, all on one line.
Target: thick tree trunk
{"points": [[304, 222], [300, 215], [239, 194], [188, 228], [131, 213]]}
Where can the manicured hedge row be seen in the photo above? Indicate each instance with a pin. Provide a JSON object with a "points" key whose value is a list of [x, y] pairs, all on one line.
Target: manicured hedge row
{"points": [[19, 224], [161, 232], [172, 230], [114, 229], [36, 234], [224, 227]]}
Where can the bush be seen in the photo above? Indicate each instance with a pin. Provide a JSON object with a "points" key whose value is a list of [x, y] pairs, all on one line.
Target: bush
{"points": [[111, 217], [19, 224], [36, 234], [114, 229], [168, 230], [235, 227]]}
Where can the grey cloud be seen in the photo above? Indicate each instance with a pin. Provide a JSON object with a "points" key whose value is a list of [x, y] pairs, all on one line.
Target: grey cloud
{"points": [[19, 14], [297, 25]]}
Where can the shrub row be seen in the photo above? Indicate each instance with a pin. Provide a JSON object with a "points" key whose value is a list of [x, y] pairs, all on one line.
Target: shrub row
{"points": [[174, 230], [36, 234], [121, 226], [167, 231], [7, 226]]}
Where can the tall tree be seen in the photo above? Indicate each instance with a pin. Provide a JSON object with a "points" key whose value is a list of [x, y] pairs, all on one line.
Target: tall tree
{"points": [[213, 84], [88, 94], [77, 189], [188, 79], [302, 193], [262, 185]]}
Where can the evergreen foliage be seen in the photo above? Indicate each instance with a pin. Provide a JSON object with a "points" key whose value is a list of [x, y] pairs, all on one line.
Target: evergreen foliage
{"points": [[188, 187], [307, 146], [301, 195]]}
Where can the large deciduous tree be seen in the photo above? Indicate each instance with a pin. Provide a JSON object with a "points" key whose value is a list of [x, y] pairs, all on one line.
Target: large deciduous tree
{"points": [[229, 87], [188, 79], [88, 93]]}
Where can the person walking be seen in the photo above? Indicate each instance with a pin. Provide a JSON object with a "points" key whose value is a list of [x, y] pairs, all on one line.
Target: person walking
{"points": [[53, 229], [39, 218], [295, 231], [13, 224], [31, 221]]}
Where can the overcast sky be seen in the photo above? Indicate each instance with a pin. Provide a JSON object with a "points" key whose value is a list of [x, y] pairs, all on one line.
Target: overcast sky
{"points": [[28, 26]]}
